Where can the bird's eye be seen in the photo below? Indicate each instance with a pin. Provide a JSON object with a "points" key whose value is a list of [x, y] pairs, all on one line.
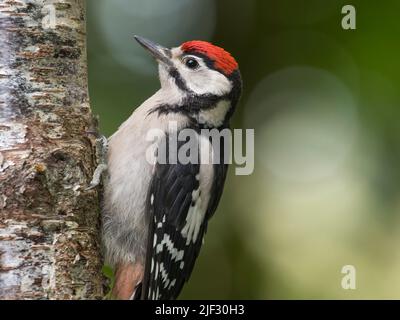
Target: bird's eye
{"points": [[191, 63]]}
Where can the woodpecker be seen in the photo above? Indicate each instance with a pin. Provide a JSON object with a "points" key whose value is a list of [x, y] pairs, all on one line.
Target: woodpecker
{"points": [[156, 214]]}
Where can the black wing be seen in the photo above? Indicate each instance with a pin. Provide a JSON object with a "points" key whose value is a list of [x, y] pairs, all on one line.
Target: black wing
{"points": [[170, 259]]}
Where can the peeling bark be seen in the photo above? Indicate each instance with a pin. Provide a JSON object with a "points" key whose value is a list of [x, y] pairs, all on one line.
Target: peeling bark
{"points": [[49, 224]]}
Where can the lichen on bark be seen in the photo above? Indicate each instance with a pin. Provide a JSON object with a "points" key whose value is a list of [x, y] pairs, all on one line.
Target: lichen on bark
{"points": [[49, 224]]}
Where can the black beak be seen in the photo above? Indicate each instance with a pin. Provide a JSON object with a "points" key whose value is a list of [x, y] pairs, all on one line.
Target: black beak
{"points": [[159, 52]]}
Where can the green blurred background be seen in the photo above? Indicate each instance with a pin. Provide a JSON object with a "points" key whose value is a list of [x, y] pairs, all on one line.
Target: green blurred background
{"points": [[324, 103]]}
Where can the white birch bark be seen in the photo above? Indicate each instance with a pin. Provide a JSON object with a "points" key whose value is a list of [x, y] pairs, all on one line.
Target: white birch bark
{"points": [[49, 225]]}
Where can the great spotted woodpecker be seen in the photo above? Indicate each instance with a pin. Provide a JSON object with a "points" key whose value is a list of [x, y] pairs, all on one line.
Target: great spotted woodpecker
{"points": [[156, 214]]}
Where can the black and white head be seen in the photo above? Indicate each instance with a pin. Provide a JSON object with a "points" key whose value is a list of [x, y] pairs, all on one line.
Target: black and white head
{"points": [[205, 78]]}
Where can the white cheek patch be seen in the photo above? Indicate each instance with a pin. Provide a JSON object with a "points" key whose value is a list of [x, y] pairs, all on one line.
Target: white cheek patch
{"points": [[205, 81]]}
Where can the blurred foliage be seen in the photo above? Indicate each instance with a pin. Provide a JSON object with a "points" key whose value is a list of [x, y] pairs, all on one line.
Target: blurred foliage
{"points": [[324, 103], [108, 273]]}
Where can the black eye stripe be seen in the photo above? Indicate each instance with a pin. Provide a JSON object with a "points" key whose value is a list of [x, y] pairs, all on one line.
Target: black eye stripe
{"points": [[179, 81]]}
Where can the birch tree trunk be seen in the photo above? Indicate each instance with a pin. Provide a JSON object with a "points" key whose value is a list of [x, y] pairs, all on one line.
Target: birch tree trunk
{"points": [[49, 244]]}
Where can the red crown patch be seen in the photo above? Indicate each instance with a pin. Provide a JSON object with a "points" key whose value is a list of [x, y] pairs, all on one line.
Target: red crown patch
{"points": [[222, 59]]}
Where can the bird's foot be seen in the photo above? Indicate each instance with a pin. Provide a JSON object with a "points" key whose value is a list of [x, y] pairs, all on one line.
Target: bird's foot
{"points": [[101, 155]]}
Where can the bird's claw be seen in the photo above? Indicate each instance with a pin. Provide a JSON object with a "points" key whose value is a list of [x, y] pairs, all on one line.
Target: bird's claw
{"points": [[101, 155], [100, 169]]}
